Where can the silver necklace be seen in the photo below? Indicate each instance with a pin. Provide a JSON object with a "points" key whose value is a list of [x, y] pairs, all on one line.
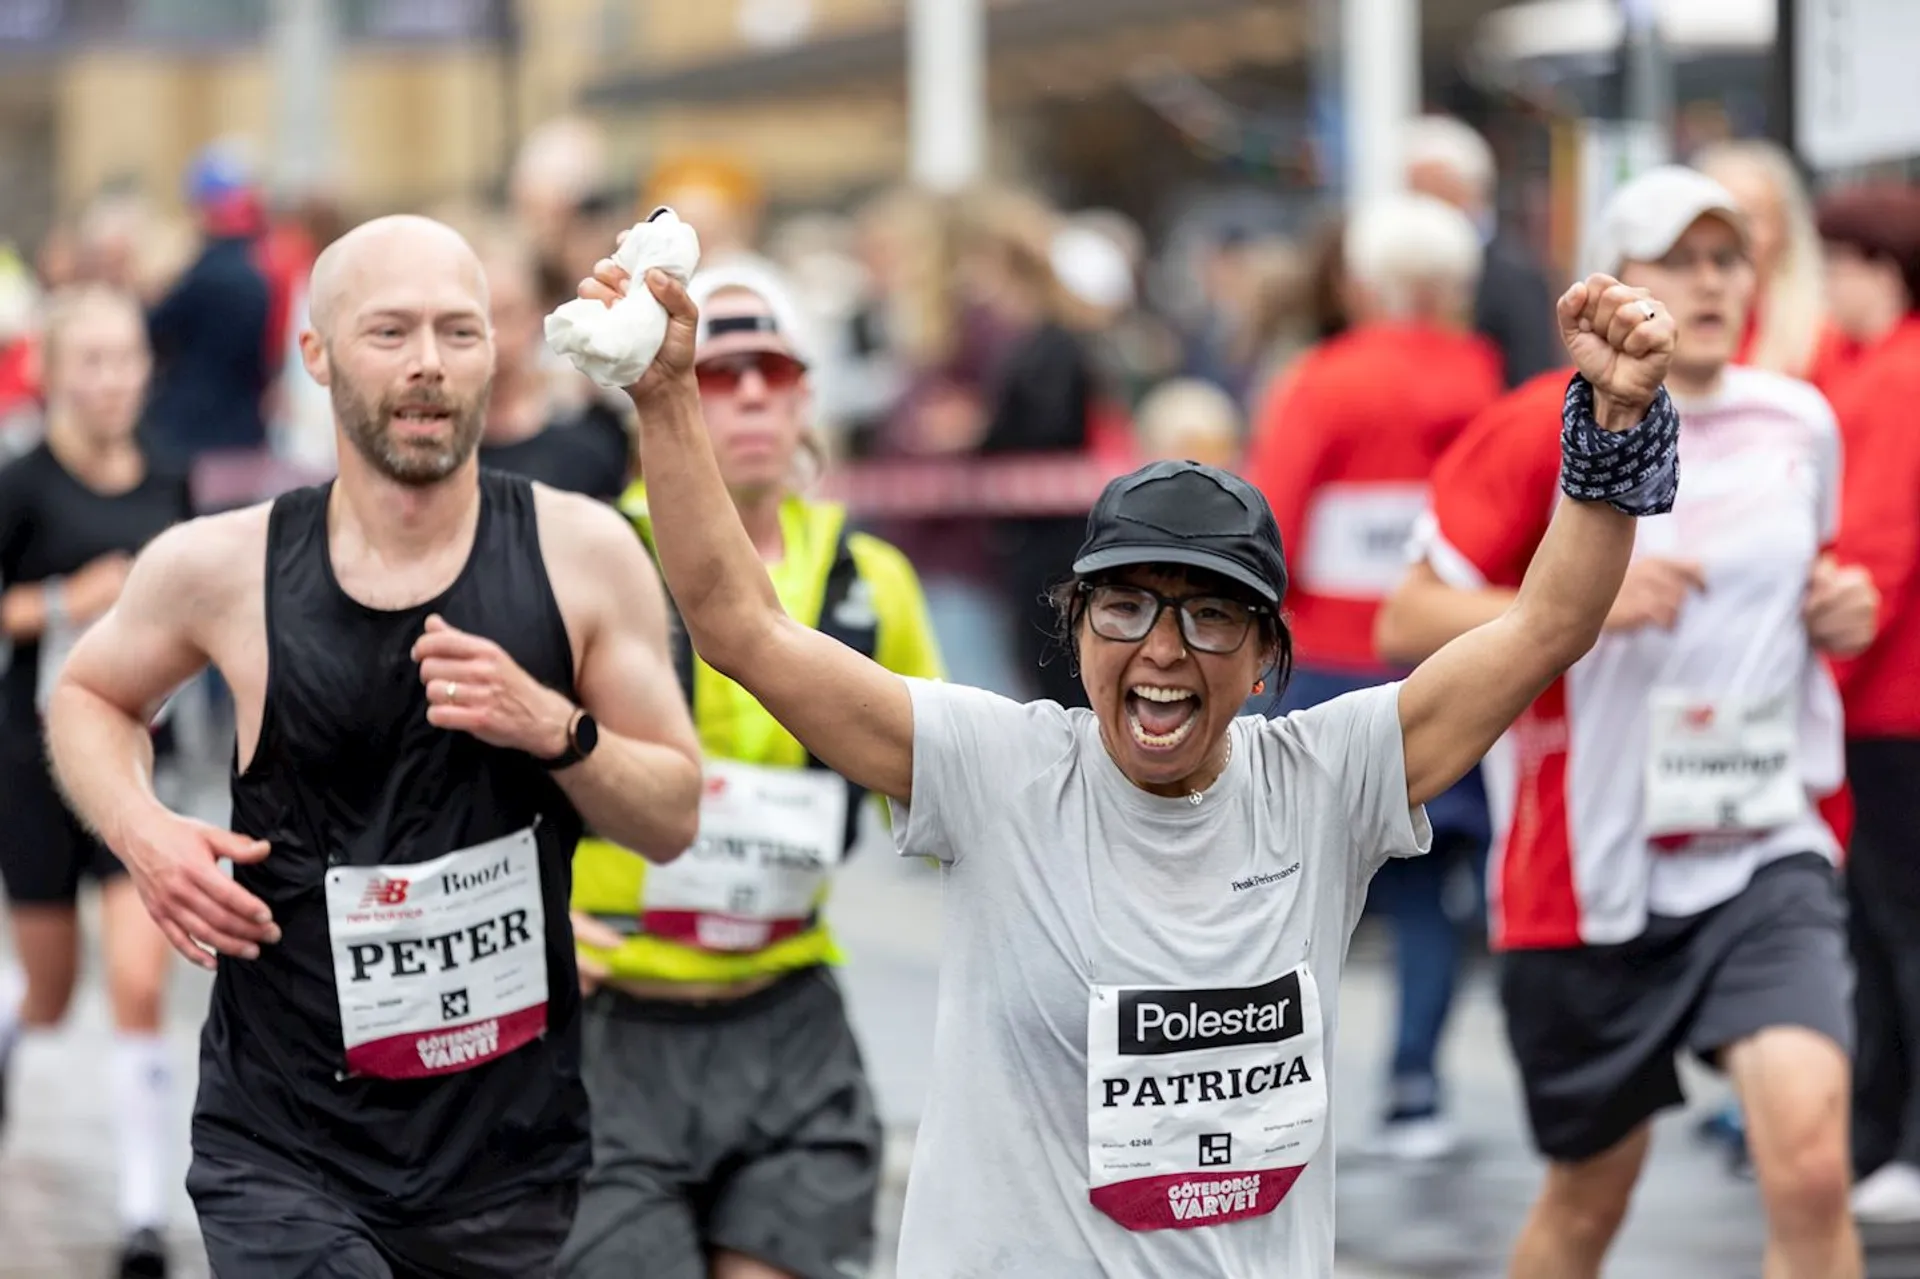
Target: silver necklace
{"points": [[1194, 797]]}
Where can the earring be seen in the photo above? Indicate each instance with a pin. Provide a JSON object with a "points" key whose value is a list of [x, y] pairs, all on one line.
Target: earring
{"points": [[1259, 687]]}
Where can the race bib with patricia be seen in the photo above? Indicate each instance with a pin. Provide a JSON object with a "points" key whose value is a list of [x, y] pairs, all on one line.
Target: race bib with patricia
{"points": [[1203, 1106], [1723, 763], [769, 839], [439, 966]]}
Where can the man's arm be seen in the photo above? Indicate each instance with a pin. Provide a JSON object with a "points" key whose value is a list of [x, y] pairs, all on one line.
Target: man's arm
{"points": [[640, 787], [146, 646], [119, 674]]}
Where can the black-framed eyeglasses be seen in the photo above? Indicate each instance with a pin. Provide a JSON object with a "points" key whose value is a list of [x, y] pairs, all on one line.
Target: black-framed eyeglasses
{"points": [[1208, 623]]}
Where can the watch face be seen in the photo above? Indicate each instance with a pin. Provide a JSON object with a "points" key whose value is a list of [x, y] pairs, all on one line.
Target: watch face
{"points": [[586, 735]]}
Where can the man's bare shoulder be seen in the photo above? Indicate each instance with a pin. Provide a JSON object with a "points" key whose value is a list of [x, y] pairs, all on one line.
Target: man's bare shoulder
{"points": [[210, 558], [575, 524], [595, 561]]}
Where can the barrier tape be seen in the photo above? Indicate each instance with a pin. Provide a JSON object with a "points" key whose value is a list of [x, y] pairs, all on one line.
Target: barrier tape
{"points": [[1033, 485]]}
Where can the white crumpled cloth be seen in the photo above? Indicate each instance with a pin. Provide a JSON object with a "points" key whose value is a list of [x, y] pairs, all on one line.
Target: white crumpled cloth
{"points": [[615, 344]]}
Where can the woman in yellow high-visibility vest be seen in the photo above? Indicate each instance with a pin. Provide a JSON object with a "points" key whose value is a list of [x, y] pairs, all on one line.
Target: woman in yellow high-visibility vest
{"points": [[735, 1134]]}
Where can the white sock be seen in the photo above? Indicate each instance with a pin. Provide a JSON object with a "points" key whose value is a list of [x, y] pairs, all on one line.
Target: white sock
{"points": [[142, 1084]]}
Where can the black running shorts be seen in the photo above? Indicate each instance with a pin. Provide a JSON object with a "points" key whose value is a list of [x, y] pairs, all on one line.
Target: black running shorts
{"points": [[264, 1217], [745, 1126], [1596, 1029], [44, 850]]}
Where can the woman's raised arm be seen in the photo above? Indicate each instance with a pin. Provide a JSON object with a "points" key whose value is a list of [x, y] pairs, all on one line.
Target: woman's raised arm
{"points": [[852, 714], [1618, 440]]}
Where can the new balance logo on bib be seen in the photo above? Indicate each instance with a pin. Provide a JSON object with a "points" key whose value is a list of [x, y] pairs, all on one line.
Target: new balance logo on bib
{"points": [[1203, 1106], [442, 965]]}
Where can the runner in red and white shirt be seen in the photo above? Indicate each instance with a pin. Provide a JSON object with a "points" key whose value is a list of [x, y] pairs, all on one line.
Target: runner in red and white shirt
{"points": [[1662, 880]]}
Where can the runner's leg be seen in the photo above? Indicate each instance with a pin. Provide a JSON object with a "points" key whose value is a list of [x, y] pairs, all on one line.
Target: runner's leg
{"points": [[1411, 892], [646, 1080], [262, 1218], [136, 963], [1793, 1087], [520, 1240], [1578, 1213], [48, 938], [1776, 1018], [737, 1265], [806, 1140]]}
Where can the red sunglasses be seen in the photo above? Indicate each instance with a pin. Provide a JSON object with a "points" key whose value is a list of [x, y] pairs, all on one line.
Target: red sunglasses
{"points": [[721, 375]]}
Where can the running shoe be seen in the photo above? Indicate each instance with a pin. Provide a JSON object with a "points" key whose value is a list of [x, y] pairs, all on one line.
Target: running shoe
{"points": [[1890, 1196], [144, 1255]]}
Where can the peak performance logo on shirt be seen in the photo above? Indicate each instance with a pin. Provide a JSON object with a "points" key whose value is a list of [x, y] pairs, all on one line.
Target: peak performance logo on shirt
{"points": [[1154, 1022]]}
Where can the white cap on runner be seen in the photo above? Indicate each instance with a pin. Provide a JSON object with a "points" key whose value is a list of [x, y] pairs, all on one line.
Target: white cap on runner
{"points": [[1646, 217]]}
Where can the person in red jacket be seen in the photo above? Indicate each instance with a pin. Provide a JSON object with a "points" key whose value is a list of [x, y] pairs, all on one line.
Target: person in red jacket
{"points": [[1880, 530], [1342, 451]]}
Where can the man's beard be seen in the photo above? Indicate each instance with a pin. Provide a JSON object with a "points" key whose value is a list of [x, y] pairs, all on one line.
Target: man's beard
{"points": [[412, 462]]}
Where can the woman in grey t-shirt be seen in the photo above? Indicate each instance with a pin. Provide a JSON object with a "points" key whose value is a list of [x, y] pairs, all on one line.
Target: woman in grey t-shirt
{"points": [[1148, 902]]}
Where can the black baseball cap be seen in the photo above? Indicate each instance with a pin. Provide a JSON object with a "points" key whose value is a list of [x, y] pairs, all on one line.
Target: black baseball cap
{"points": [[1189, 514]]}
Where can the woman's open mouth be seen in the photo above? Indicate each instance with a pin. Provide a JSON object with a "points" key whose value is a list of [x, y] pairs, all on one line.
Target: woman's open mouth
{"points": [[1161, 718]]}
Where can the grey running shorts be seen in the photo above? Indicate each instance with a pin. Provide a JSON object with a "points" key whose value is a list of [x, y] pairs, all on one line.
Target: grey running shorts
{"points": [[1596, 1029], [745, 1125], [262, 1217]]}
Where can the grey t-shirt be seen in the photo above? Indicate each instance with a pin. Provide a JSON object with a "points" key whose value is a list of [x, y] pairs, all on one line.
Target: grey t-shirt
{"points": [[1197, 949]]}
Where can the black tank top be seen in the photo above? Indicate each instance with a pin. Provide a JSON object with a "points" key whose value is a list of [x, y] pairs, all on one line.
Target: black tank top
{"points": [[348, 772]]}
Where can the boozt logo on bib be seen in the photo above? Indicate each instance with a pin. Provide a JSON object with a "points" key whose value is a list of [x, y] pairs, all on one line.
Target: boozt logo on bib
{"points": [[444, 969], [1151, 1023], [1230, 1080]]}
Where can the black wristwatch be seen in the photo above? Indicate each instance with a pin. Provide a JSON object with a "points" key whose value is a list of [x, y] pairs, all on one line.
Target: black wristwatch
{"points": [[582, 736]]}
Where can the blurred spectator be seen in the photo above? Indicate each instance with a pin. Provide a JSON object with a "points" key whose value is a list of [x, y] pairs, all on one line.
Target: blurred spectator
{"points": [[1342, 450], [1186, 419], [1283, 317], [19, 357], [214, 350], [1327, 310], [1514, 306], [1787, 327], [584, 450], [113, 232], [1880, 530], [1870, 237], [818, 251], [1100, 256], [57, 261], [1037, 396], [718, 198], [1214, 335], [559, 165], [897, 241]]}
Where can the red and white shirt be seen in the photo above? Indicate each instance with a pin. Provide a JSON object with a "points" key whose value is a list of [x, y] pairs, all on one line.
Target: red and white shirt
{"points": [[1594, 787], [1342, 450]]}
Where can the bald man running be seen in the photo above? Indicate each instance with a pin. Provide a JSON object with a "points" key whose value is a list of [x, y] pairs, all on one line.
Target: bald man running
{"points": [[439, 672]]}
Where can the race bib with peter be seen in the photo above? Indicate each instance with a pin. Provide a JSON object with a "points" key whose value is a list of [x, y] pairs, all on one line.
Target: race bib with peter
{"points": [[439, 966], [1203, 1106]]}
